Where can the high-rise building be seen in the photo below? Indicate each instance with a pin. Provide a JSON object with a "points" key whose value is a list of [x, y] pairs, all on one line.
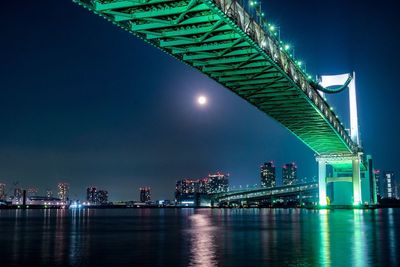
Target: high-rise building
{"points": [[63, 191], [193, 192], [203, 186], [187, 186], [96, 197], [389, 189], [2, 191], [186, 190], [49, 193], [17, 194], [289, 174], [217, 183], [102, 197], [214, 183], [91, 195], [145, 194], [268, 176], [377, 174]]}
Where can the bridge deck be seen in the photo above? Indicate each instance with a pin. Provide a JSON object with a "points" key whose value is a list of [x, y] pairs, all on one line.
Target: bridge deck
{"points": [[220, 39], [262, 193]]}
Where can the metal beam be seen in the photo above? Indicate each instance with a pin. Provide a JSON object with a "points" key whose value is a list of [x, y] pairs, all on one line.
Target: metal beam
{"points": [[161, 24], [163, 12]]}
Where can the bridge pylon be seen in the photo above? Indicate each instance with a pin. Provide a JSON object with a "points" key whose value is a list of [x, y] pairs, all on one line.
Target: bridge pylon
{"points": [[346, 180]]}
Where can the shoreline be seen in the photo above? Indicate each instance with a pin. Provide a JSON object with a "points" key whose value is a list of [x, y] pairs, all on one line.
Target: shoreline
{"points": [[28, 207]]}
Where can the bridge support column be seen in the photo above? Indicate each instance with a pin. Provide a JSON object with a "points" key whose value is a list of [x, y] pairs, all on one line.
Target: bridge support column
{"points": [[322, 182], [341, 183], [356, 181]]}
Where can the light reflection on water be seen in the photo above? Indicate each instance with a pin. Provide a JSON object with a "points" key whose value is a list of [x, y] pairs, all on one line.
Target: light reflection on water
{"points": [[394, 247], [359, 245], [203, 237], [202, 251], [325, 243]]}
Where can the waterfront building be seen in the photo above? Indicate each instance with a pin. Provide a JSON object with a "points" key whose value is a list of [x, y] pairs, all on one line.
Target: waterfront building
{"points": [[63, 191], [96, 197], [2, 191], [49, 193], [194, 192], [389, 189], [91, 195], [203, 186], [268, 175], [186, 186], [377, 174], [17, 195], [145, 194], [217, 183], [289, 174], [102, 197], [214, 183], [185, 191]]}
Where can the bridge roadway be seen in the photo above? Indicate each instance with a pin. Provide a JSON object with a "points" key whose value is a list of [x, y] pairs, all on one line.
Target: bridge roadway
{"points": [[240, 51], [267, 193]]}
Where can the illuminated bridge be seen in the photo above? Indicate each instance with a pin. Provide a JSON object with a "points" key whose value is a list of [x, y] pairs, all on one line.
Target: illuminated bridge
{"points": [[232, 43], [267, 193]]}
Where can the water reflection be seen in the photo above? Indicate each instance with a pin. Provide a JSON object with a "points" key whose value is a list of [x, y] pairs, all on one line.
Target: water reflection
{"points": [[359, 248], [392, 239], [79, 235], [269, 233], [325, 242], [202, 252], [188, 237], [60, 236]]}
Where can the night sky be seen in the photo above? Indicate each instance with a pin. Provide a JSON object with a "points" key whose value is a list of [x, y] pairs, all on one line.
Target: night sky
{"points": [[85, 102]]}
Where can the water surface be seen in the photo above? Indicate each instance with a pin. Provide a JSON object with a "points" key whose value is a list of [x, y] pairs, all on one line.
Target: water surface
{"points": [[199, 237]]}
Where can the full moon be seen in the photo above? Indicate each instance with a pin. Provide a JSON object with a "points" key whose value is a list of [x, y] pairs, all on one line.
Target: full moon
{"points": [[202, 100]]}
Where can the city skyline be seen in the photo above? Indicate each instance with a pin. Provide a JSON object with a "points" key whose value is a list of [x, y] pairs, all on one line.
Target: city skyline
{"points": [[387, 186], [63, 189], [66, 120]]}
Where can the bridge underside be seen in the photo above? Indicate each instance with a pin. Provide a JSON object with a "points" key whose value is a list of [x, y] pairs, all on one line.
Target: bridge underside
{"points": [[221, 40]]}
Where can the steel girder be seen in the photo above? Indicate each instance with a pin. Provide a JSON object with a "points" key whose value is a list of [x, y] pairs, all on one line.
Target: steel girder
{"points": [[221, 40]]}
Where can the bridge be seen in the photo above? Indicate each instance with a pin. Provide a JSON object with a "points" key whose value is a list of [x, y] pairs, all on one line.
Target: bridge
{"points": [[231, 42], [257, 194]]}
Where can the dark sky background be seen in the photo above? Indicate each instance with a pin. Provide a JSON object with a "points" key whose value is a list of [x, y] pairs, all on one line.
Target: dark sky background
{"points": [[85, 102]]}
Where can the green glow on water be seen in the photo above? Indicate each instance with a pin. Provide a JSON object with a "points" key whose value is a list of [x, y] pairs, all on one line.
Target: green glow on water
{"points": [[325, 246], [359, 242]]}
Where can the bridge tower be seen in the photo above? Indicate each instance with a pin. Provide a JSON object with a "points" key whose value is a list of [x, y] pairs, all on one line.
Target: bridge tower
{"points": [[345, 179]]}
